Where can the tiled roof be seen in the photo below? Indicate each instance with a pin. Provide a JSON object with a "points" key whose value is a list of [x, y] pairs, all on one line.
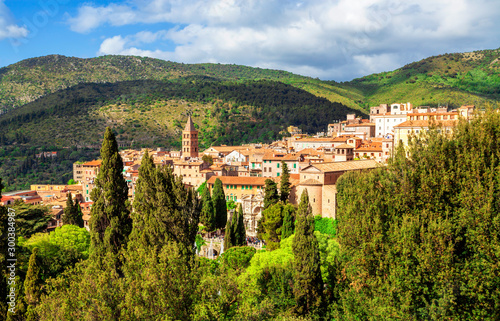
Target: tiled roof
{"points": [[344, 146], [189, 125], [361, 125], [345, 166], [239, 180], [93, 163], [426, 123]]}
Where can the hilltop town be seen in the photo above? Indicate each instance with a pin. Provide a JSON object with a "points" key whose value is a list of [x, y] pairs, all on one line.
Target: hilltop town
{"points": [[314, 162]]}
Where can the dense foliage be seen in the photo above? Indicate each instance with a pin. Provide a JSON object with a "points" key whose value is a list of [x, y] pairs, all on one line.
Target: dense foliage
{"points": [[420, 239]]}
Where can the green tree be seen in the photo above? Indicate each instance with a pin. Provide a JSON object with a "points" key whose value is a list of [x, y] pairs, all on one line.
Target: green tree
{"points": [[30, 219], [219, 200], [230, 236], [240, 235], [72, 213], [110, 222], [418, 237], [207, 216], [288, 221], [308, 283], [271, 195], [164, 210], [272, 221], [32, 285], [285, 183], [207, 159]]}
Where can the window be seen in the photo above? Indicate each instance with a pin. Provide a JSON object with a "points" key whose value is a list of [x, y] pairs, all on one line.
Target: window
{"points": [[278, 165], [294, 165], [278, 174]]}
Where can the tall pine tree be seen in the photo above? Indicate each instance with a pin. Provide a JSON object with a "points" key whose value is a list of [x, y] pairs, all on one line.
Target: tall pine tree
{"points": [[230, 236], [308, 284], [219, 200], [110, 222], [240, 232], [32, 285], [285, 183], [288, 221], [164, 210], [72, 212], [207, 216], [271, 195]]}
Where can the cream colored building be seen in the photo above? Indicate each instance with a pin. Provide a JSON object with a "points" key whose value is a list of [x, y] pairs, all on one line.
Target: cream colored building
{"points": [[320, 181]]}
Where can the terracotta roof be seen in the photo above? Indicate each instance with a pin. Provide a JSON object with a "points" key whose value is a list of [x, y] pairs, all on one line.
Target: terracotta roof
{"points": [[373, 147], [345, 166], [426, 123], [343, 138], [93, 163], [344, 146], [189, 125], [239, 180]]}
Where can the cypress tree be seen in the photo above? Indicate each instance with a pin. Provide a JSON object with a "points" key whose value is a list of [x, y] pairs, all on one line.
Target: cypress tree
{"points": [[72, 213], [229, 237], [240, 232], [164, 210], [308, 284], [68, 210], [288, 221], [110, 222], [78, 214], [219, 200], [32, 284], [207, 216], [271, 195], [285, 183]]}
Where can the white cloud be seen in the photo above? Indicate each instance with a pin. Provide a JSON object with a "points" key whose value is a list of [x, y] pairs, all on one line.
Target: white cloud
{"points": [[337, 39], [8, 29]]}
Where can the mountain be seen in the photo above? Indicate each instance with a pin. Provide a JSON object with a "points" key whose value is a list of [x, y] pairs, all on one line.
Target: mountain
{"points": [[453, 79], [57, 103]]}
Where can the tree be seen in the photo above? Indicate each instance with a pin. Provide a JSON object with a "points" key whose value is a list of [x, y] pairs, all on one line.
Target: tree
{"points": [[229, 236], [207, 216], [308, 283], [32, 285], [271, 195], [72, 213], [164, 210], [219, 200], [272, 221], [30, 219], [240, 235], [285, 183], [418, 238], [207, 159], [110, 222], [288, 221]]}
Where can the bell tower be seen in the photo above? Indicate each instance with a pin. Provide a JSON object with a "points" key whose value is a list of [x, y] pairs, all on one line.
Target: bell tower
{"points": [[189, 140]]}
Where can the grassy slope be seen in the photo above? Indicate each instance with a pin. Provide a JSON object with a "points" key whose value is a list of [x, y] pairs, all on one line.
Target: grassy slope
{"points": [[469, 78]]}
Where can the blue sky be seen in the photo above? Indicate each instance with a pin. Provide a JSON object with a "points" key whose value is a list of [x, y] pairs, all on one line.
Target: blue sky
{"points": [[329, 39]]}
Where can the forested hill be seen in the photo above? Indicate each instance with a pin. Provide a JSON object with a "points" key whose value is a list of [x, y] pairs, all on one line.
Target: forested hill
{"points": [[453, 79], [153, 112]]}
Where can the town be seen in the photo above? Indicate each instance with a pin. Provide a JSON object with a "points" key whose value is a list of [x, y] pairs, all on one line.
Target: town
{"points": [[314, 162]]}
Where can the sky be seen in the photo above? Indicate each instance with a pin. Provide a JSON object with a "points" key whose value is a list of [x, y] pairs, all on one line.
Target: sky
{"points": [[327, 39]]}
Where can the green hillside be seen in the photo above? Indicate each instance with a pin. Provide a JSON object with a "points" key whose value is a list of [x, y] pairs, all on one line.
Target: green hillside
{"points": [[453, 79], [152, 113]]}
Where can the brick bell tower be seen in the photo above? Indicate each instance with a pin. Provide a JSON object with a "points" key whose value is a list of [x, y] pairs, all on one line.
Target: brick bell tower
{"points": [[189, 140]]}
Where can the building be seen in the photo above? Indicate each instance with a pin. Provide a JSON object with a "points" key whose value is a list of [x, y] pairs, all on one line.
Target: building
{"points": [[190, 140], [193, 172], [320, 181], [90, 170]]}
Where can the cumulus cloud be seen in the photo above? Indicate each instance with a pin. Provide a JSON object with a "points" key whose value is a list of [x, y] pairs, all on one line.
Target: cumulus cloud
{"points": [[333, 39], [8, 29]]}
